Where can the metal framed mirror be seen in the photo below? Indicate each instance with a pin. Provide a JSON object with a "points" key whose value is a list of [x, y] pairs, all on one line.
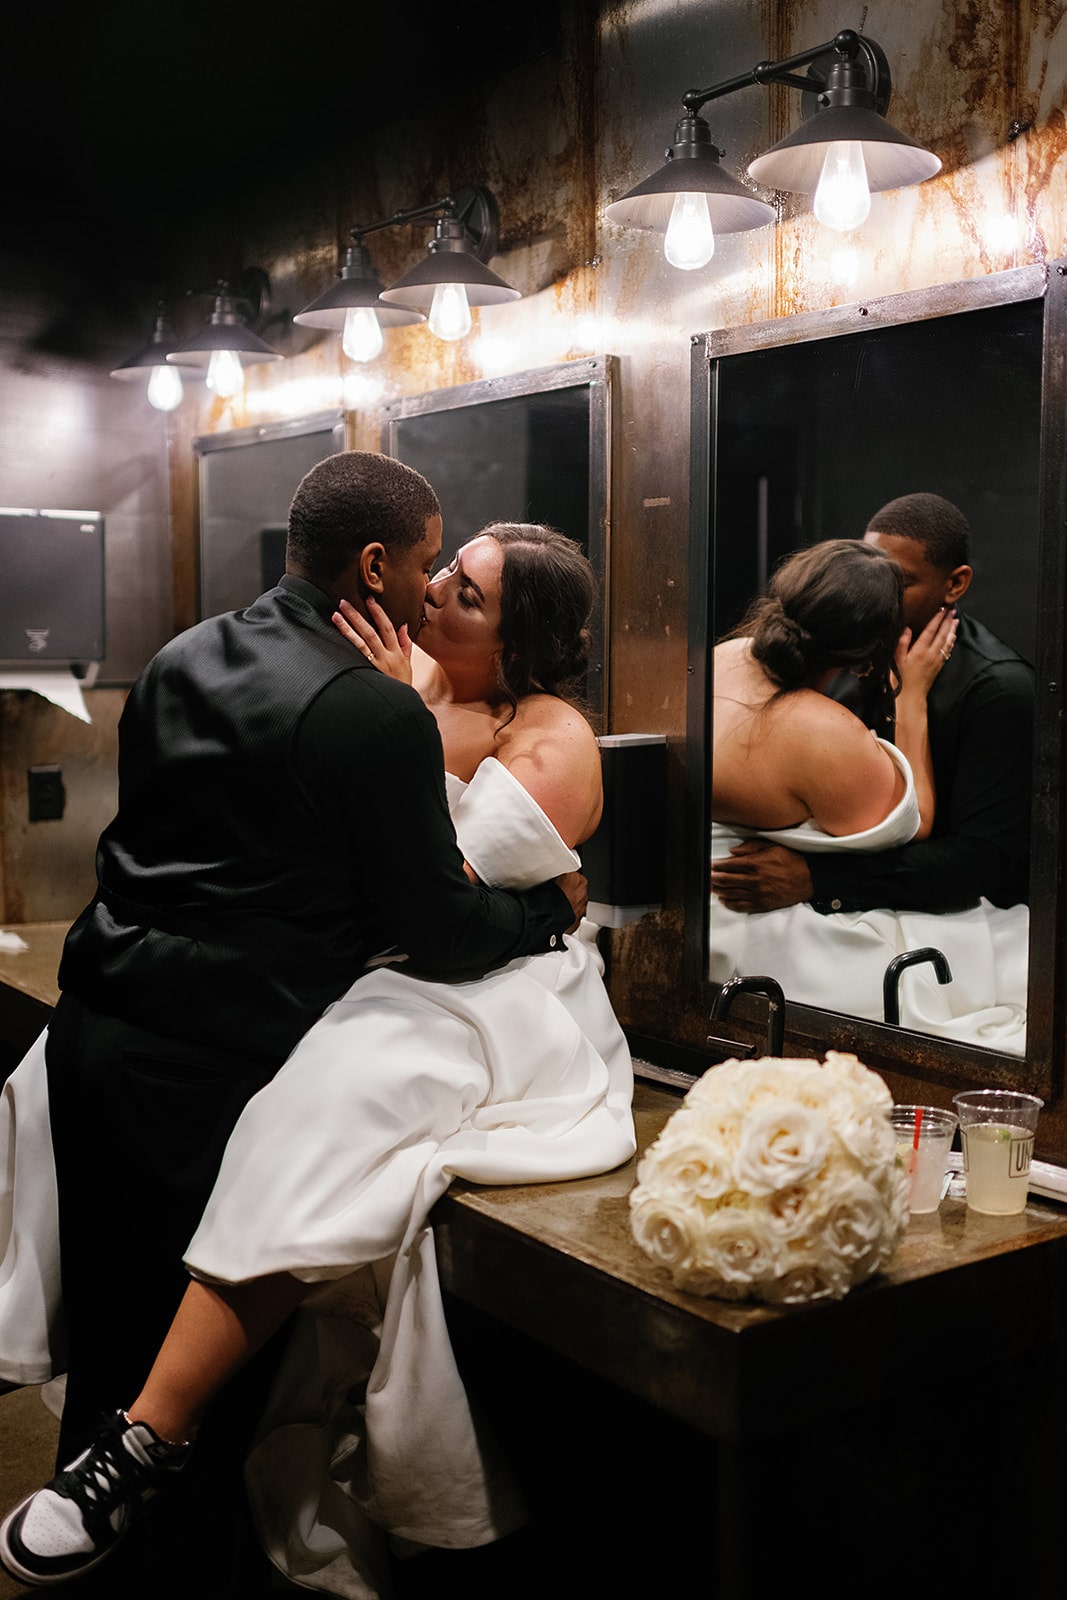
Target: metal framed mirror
{"points": [[246, 479], [530, 447], [801, 429]]}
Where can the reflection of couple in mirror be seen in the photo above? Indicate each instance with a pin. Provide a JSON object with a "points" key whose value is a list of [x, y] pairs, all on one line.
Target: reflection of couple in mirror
{"points": [[833, 852]]}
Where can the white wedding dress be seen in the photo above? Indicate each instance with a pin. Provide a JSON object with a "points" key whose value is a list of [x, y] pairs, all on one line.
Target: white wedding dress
{"points": [[404, 1083], [837, 961]]}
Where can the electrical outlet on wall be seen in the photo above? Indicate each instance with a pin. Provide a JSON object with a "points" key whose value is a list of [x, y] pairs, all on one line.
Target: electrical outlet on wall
{"points": [[47, 795]]}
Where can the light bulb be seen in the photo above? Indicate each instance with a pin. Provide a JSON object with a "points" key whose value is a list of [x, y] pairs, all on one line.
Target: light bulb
{"points": [[165, 388], [690, 240], [225, 375], [450, 314], [362, 339], [842, 198]]}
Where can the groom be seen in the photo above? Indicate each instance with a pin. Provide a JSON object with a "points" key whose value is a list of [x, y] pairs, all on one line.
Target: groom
{"points": [[980, 715], [281, 820]]}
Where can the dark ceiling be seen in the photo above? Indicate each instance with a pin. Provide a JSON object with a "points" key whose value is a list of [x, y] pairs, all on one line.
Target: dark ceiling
{"points": [[122, 121]]}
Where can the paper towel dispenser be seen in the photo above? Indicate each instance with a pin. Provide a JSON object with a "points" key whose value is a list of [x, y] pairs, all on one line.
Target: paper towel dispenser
{"points": [[51, 589]]}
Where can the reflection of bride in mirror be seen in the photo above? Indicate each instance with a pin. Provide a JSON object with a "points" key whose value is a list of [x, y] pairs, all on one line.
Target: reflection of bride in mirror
{"points": [[795, 767]]}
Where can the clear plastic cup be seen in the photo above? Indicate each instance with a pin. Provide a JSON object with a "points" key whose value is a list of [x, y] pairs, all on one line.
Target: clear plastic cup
{"points": [[926, 1158], [997, 1130]]}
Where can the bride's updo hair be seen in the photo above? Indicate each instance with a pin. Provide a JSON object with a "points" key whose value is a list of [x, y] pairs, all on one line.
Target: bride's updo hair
{"points": [[547, 589], [838, 604]]}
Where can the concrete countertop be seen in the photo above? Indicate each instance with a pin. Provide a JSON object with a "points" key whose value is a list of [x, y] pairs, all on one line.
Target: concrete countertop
{"points": [[558, 1262]]}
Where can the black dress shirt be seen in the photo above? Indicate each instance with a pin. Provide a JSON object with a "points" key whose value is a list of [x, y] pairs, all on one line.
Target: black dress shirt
{"points": [[282, 818], [980, 715]]}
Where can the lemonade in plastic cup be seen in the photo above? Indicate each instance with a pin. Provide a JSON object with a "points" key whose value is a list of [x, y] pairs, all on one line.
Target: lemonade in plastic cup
{"points": [[997, 1129]]}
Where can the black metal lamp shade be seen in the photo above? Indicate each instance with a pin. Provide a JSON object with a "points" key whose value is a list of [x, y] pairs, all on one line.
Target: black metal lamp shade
{"points": [[226, 330], [692, 168], [893, 159], [357, 286], [848, 111], [450, 259], [154, 354]]}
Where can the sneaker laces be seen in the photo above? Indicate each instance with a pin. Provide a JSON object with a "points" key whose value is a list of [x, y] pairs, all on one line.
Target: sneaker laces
{"points": [[109, 1478]]}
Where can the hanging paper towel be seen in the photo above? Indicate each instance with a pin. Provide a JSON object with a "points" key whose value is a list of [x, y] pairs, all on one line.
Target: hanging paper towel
{"points": [[56, 684]]}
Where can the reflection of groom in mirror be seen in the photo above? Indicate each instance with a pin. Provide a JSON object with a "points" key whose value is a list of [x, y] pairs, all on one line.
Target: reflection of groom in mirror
{"points": [[980, 715]]}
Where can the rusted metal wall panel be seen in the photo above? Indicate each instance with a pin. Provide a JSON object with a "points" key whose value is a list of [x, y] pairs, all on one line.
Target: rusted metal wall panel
{"points": [[982, 82], [982, 85]]}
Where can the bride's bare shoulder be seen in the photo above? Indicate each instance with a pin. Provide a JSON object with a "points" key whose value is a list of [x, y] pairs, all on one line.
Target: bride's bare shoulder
{"points": [[819, 710], [845, 778], [547, 713], [549, 746], [547, 730]]}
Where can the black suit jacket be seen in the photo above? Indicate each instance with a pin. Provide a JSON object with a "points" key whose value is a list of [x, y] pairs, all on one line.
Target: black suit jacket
{"points": [[980, 715], [282, 818]]}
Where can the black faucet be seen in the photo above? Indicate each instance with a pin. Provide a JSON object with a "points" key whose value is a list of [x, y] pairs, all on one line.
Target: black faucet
{"points": [[891, 981], [775, 1006]]}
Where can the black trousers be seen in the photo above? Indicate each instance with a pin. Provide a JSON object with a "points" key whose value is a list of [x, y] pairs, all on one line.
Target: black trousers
{"points": [[139, 1125]]}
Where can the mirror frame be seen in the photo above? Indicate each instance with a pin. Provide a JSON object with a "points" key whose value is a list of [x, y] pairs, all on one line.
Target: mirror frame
{"points": [[332, 422], [811, 1031], [598, 375]]}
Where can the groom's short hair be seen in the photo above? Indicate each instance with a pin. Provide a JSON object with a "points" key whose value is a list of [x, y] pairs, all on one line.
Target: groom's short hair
{"points": [[935, 523], [349, 500]]}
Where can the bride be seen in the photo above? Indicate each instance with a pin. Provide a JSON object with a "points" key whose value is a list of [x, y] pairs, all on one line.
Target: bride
{"points": [[404, 1083], [796, 768]]}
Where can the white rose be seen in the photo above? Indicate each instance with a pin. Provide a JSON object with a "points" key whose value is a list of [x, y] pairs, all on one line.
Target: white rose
{"points": [[698, 1280], [819, 1091], [782, 1145], [720, 1124], [851, 1070], [770, 1079], [736, 1244], [684, 1163], [805, 1280], [713, 1086], [662, 1229], [867, 1134], [792, 1212], [855, 1226]]}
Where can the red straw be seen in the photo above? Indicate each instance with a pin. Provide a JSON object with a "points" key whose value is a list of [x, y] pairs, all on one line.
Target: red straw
{"points": [[918, 1125]]}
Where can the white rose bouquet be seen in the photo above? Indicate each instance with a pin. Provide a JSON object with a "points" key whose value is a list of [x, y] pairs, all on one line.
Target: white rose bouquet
{"points": [[774, 1179]]}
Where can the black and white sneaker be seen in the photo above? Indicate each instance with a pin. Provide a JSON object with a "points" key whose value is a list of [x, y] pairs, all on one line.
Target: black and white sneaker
{"points": [[64, 1529]]}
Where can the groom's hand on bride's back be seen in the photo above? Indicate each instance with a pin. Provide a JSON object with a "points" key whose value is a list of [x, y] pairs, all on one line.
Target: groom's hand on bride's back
{"points": [[576, 889], [756, 876]]}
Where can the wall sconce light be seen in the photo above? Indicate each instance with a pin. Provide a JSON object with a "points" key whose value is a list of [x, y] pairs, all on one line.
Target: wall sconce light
{"points": [[165, 388], [842, 151], [453, 276], [229, 343], [352, 305], [451, 279]]}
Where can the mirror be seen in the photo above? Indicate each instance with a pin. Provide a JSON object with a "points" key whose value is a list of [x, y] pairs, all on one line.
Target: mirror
{"points": [[531, 447], [246, 479], [802, 429]]}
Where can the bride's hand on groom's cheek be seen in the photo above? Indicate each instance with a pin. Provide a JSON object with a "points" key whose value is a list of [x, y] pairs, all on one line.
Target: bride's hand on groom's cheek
{"points": [[922, 659], [377, 640], [760, 877]]}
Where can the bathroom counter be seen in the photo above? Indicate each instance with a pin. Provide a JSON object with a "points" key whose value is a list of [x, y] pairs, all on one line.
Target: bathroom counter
{"points": [[830, 1410], [559, 1262]]}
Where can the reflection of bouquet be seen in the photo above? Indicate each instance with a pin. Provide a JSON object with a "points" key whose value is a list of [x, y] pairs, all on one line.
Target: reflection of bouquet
{"points": [[774, 1179]]}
